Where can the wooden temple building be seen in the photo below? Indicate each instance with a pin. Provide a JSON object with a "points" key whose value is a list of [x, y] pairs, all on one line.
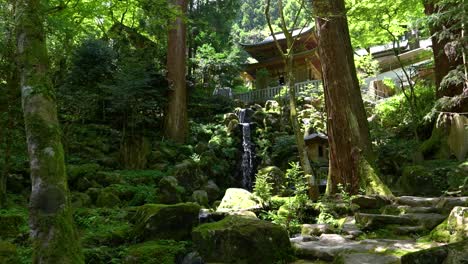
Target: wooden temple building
{"points": [[268, 68]]}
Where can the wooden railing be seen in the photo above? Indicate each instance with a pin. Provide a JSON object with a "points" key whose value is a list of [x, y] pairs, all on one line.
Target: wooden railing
{"points": [[369, 95], [262, 95]]}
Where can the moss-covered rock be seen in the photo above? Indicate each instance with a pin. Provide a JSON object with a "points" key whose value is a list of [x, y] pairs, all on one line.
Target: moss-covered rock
{"points": [[236, 199], [161, 221], [107, 198], [238, 239], [455, 253], [454, 228], [169, 190], [200, 197], [80, 200], [8, 253], [156, 252]]}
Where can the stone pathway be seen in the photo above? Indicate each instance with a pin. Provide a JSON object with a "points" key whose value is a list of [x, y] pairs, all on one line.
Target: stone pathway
{"points": [[405, 215]]}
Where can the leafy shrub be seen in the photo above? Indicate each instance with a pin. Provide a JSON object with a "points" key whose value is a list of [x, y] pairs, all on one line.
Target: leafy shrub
{"points": [[263, 187]]}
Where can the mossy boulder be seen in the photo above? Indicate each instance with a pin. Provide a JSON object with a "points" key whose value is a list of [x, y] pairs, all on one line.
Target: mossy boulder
{"points": [[455, 253], [233, 126], [8, 253], [236, 199], [200, 197], [10, 225], [162, 221], [229, 117], [454, 228], [238, 239], [107, 198], [156, 252], [169, 190], [212, 190], [80, 200]]}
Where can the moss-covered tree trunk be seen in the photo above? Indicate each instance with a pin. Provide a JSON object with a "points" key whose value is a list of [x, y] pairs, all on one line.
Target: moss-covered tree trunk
{"points": [[287, 55], [299, 135], [53, 235], [176, 120], [351, 157]]}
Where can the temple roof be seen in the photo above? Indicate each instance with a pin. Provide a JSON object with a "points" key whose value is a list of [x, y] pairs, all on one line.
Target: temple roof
{"points": [[279, 36], [316, 137]]}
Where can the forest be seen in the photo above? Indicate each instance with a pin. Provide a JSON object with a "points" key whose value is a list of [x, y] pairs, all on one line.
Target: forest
{"points": [[233, 131]]}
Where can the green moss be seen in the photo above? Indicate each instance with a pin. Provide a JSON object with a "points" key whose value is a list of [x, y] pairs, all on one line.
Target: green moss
{"points": [[10, 225], [440, 233], [233, 239], [107, 198], [161, 221], [156, 252], [8, 253], [370, 180], [103, 226]]}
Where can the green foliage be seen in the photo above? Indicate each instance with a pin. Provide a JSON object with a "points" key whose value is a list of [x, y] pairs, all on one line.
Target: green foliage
{"points": [[366, 67], [373, 22], [292, 213], [394, 113], [263, 187], [217, 69], [164, 251]]}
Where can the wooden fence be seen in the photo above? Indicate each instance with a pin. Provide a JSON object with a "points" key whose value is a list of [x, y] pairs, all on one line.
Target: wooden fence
{"points": [[270, 93]]}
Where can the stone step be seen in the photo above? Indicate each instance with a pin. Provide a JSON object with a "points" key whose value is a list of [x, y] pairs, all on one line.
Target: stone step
{"points": [[445, 203], [328, 247], [376, 221], [395, 209], [428, 221], [406, 230], [416, 201]]}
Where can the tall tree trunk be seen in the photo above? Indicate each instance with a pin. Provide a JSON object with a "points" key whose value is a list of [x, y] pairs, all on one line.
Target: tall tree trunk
{"points": [[443, 64], [176, 123], [53, 234], [288, 60], [351, 157]]}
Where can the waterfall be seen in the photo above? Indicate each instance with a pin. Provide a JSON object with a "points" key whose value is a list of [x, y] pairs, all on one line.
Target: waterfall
{"points": [[247, 155]]}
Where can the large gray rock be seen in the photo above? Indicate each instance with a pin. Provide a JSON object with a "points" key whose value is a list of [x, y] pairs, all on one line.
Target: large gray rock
{"points": [[237, 239], [236, 199], [455, 253]]}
